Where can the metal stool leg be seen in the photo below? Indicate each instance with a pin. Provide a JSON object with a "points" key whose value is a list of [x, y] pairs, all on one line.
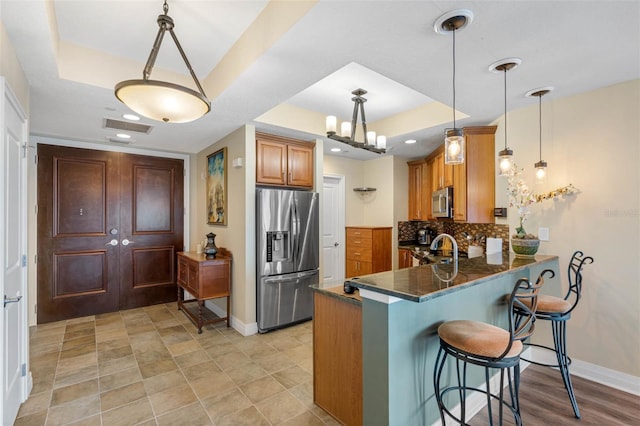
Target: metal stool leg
{"points": [[560, 342]]}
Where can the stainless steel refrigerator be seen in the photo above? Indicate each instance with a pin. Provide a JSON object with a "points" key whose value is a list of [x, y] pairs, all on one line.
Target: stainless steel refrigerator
{"points": [[287, 256]]}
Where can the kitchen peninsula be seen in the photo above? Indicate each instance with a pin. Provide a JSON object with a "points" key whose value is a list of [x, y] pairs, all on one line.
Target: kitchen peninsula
{"points": [[400, 314]]}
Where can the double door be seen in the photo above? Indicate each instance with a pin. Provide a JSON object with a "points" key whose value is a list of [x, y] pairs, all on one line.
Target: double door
{"points": [[109, 227]]}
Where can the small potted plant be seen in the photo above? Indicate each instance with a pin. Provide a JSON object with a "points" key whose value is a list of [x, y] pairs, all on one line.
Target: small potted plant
{"points": [[521, 197]]}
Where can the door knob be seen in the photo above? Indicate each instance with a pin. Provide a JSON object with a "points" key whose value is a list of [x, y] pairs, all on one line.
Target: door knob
{"points": [[126, 242], [336, 244], [8, 300], [113, 242]]}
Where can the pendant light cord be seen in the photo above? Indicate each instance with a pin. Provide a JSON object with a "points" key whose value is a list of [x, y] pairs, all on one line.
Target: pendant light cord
{"points": [[454, 78], [505, 108], [540, 123]]}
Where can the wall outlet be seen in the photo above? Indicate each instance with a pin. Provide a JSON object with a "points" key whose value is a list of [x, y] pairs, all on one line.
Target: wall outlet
{"points": [[543, 234]]}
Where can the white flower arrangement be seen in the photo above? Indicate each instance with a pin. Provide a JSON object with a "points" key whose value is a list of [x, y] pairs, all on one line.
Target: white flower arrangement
{"points": [[521, 197]]}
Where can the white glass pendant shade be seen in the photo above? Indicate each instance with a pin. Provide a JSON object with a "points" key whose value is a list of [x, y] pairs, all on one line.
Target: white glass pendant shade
{"points": [[505, 160], [162, 101], [454, 147]]}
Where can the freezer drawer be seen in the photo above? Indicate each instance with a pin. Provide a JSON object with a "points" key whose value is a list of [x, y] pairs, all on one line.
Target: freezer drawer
{"points": [[285, 299]]}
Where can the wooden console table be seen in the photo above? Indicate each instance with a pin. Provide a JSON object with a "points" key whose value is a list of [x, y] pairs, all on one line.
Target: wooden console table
{"points": [[204, 279]]}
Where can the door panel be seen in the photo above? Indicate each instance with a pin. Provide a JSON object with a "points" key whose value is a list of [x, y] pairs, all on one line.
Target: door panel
{"points": [[151, 219], [88, 200], [77, 204], [79, 197]]}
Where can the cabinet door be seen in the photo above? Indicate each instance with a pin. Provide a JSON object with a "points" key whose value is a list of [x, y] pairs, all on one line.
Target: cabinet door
{"points": [[271, 162], [300, 166], [460, 192], [447, 174], [415, 191], [351, 268], [404, 259]]}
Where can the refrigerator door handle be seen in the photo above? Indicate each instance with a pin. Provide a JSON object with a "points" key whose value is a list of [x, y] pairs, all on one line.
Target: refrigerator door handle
{"points": [[295, 228], [290, 277]]}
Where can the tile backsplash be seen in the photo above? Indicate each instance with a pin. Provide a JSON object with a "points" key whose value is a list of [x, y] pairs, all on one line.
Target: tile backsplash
{"points": [[407, 232]]}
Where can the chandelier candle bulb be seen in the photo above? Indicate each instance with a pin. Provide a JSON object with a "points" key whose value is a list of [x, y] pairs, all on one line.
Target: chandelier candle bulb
{"points": [[331, 124], [382, 142], [345, 129], [371, 138]]}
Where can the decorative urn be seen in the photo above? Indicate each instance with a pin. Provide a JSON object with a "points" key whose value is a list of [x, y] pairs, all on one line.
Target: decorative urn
{"points": [[210, 249]]}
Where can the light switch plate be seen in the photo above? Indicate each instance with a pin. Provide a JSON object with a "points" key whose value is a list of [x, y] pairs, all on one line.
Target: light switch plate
{"points": [[543, 234]]}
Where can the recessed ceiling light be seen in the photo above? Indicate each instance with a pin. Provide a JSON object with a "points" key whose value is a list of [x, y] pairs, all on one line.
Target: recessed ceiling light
{"points": [[131, 117], [335, 150], [123, 136], [410, 141]]}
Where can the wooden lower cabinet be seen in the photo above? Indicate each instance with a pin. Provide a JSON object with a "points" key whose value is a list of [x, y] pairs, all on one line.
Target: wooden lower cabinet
{"points": [[405, 260], [337, 358], [368, 250]]}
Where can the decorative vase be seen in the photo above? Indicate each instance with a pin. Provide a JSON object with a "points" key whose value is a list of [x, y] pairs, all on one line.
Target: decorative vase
{"points": [[525, 247], [210, 249]]}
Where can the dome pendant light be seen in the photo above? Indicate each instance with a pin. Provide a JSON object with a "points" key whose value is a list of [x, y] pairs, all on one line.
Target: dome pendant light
{"points": [[161, 100], [506, 155], [454, 142], [541, 166]]}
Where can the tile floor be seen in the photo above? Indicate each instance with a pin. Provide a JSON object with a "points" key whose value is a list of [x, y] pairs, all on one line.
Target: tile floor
{"points": [[149, 366]]}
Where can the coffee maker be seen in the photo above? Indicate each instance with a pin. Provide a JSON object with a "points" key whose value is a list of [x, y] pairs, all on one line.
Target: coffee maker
{"points": [[424, 236]]}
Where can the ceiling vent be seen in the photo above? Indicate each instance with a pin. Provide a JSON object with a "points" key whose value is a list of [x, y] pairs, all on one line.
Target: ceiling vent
{"points": [[109, 123]]}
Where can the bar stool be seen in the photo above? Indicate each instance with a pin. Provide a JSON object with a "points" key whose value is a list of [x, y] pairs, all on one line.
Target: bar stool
{"points": [[488, 346], [558, 311]]}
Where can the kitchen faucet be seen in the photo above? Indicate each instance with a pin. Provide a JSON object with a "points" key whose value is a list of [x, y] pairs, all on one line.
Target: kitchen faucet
{"points": [[434, 245]]}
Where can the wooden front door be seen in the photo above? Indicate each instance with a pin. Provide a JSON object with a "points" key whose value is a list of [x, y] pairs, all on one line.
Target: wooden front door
{"points": [[109, 227]]}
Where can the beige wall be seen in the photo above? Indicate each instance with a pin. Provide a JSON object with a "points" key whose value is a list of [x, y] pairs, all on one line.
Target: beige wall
{"points": [[353, 172], [239, 233], [590, 140], [11, 70]]}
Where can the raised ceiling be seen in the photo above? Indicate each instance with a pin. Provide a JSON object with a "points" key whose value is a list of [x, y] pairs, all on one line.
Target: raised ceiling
{"points": [[264, 62]]}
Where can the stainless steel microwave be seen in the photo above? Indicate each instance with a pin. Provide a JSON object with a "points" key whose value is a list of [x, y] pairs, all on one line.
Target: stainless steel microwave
{"points": [[442, 202]]}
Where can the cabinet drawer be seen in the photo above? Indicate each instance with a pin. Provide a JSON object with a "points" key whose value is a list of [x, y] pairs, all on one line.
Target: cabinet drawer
{"points": [[359, 233], [359, 253], [359, 242]]}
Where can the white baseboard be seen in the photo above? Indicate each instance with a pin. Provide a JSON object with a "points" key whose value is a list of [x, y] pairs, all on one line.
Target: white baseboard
{"points": [[239, 326], [595, 373]]}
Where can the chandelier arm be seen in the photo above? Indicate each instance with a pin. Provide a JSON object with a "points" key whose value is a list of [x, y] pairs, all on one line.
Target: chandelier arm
{"points": [[186, 61], [354, 119], [146, 73], [364, 123]]}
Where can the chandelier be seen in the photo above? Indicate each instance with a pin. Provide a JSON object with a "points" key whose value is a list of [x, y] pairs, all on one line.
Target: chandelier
{"points": [[348, 129], [161, 100]]}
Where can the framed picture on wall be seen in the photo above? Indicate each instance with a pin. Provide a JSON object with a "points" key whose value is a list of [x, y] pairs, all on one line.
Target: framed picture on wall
{"points": [[217, 187]]}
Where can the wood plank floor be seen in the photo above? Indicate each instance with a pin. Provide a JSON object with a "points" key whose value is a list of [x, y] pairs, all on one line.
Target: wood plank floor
{"points": [[544, 402]]}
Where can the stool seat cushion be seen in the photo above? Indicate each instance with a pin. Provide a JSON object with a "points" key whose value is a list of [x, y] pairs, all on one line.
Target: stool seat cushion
{"points": [[550, 304], [478, 338]]}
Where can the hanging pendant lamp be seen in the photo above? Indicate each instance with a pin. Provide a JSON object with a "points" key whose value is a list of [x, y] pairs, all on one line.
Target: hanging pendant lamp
{"points": [[541, 165], [454, 143], [506, 155], [161, 100]]}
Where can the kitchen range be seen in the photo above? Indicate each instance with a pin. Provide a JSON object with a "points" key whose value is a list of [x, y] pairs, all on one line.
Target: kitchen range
{"points": [[287, 256]]}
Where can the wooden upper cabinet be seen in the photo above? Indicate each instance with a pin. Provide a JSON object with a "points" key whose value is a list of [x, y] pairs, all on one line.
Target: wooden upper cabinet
{"points": [[419, 190], [474, 180], [283, 162], [441, 174]]}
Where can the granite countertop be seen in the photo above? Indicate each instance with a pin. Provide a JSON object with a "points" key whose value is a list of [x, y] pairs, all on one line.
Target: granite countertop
{"points": [[336, 289], [424, 282]]}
